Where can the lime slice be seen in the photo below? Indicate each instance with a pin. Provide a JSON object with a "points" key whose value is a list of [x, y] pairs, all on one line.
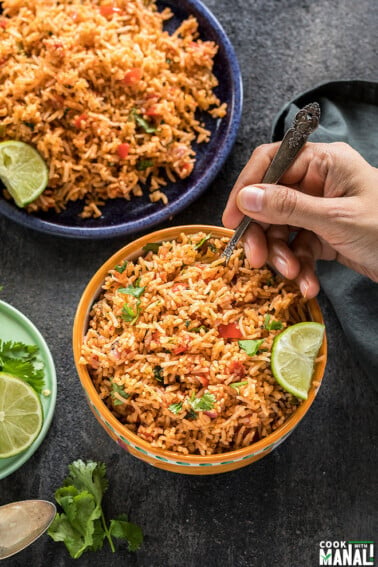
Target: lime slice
{"points": [[20, 415], [293, 357], [23, 171]]}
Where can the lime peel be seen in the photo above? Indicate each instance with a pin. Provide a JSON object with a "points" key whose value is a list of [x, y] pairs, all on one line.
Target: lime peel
{"points": [[294, 353], [23, 171]]}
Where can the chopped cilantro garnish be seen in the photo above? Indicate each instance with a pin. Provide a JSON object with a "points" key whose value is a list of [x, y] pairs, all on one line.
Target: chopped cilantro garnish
{"points": [[120, 268], [142, 123], [272, 325], [143, 164], [250, 346], [22, 361], [119, 390], [198, 329], [238, 385], [191, 414], [202, 241], [158, 373], [175, 408], [152, 247], [30, 125], [205, 403], [131, 290], [128, 313]]}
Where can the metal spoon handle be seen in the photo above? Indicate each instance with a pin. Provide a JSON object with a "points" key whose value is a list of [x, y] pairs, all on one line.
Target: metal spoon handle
{"points": [[305, 122]]}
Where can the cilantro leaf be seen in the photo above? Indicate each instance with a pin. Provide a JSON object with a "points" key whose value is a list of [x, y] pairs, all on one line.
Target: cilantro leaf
{"points": [[116, 388], [77, 525], [152, 246], [205, 403], [191, 414], [22, 361], [120, 268], [202, 241], [250, 346], [131, 290], [90, 476], [143, 164], [238, 385], [158, 373], [142, 123], [199, 329], [175, 408], [272, 325], [122, 529]]}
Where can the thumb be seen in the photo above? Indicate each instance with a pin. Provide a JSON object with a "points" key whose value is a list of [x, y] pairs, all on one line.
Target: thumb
{"points": [[277, 204]]}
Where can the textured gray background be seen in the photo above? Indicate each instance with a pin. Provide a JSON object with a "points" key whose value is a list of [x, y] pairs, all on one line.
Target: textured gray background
{"points": [[321, 483]]}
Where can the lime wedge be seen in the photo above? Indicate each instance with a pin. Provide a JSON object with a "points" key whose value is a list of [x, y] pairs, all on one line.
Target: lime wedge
{"points": [[293, 357], [20, 415], [23, 171]]}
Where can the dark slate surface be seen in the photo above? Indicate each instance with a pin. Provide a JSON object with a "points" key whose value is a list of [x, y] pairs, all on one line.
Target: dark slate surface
{"points": [[321, 483]]}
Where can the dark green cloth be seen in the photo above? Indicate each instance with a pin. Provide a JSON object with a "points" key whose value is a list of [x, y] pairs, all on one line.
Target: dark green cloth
{"points": [[349, 113]]}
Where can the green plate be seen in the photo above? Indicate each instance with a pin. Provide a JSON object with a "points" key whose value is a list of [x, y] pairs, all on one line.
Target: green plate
{"points": [[14, 326]]}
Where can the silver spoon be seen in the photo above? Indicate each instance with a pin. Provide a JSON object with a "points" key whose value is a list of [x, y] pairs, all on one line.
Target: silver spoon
{"points": [[23, 522], [305, 122]]}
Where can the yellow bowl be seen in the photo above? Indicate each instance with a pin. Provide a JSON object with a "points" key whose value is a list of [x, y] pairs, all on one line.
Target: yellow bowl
{"points": [[169, 460]]}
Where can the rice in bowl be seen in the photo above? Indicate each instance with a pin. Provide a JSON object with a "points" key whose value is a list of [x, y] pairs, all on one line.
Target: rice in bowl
{"points": [[112, 101], [178, 346]]}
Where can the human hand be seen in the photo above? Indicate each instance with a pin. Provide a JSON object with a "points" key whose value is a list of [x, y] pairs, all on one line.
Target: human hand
{"points": [[329, 196]]}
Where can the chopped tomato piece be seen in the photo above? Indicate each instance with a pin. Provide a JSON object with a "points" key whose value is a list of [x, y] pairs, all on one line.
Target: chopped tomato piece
{"points": [[153, 111], [79, 119], [178, 285], [132, 76], [123, 150], [237, 368], [109, 10], [180, 349], [204, 381], [230, 331], [156, 336], [3, 23]]}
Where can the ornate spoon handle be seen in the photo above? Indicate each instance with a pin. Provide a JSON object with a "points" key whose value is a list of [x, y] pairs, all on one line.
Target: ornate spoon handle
{"points": [[305, 122]]}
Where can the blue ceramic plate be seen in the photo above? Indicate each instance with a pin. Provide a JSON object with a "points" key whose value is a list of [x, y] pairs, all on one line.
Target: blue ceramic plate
{"points": [[121, 217], [14, 326]]}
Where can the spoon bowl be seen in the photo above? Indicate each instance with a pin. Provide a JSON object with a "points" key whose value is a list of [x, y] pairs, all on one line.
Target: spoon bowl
{"points": [[21, 523]]}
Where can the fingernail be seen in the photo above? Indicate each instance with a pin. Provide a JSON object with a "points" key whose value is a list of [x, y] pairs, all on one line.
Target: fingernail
{"points": [[251, 198], [247, 251], [303, 286], [281, 265]]}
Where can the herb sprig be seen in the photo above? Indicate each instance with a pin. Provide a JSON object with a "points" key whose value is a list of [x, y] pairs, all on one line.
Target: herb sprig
{"points": [[21, 360], [82, 525]]}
